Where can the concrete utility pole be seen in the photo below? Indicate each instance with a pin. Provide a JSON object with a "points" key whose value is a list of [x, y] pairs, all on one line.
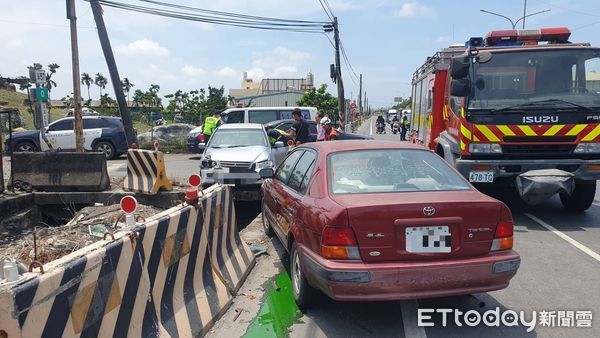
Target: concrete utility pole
{"points": [[114, 72], [78, 120], [338, 71], [360, 102], [524, 13]]}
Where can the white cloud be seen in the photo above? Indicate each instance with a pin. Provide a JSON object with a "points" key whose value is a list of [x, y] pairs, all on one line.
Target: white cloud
{"points": [[413, 9], [278, 62], [158, 74], [256, 74], [227, 72], [192, 71], [290, 55], [143, 47], [285, 71]]}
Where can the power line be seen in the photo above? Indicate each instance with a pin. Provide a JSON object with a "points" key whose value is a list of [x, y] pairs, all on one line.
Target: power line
{"points": [[329, 7], [325, 9], [244, 16], [347, 60], [262, 23]]}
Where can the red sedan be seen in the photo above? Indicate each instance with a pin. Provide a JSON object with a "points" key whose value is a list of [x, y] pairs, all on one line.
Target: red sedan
{"points": [[367, 221]]}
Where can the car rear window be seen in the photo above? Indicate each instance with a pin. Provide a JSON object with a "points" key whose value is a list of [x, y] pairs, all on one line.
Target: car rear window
{"points": [[390, 170]]}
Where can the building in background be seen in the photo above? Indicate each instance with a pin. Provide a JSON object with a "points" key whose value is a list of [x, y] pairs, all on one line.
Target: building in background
{"points": [[272, 85], [279, 99]]}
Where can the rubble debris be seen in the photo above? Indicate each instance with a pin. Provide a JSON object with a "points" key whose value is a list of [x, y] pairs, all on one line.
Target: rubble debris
{"points": [[86, 227]]}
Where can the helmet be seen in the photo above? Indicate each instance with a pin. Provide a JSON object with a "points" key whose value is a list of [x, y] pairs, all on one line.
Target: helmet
{"points": [[325, 121]]}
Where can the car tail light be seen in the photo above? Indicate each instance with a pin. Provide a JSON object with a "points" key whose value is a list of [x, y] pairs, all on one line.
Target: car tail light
{"points": [[201, 138], [339, 243], [503, 239]]}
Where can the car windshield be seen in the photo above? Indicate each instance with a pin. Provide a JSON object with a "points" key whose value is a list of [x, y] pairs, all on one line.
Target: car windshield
{"points": [[533, 79], [233, 138], [390, 170]]}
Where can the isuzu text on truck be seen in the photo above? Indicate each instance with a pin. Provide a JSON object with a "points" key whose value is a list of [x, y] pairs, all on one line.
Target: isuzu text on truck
{"points": [[518, 107]]}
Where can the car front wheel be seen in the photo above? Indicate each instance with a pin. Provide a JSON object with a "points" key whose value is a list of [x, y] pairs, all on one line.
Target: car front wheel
{"points": [[266, 226], [25, 147], [107, 149], [304, 294]]}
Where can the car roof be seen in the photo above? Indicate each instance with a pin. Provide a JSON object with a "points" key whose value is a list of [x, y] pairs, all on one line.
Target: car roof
{"points": [[228, 126], [345, 145], [271, 108], [89, 117]]}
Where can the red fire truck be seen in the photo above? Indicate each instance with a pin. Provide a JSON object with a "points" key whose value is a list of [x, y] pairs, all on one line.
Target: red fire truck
{"points": [[518, 107]]}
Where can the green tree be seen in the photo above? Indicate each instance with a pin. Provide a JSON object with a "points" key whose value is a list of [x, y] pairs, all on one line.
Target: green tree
{"points": [[100, 81], [49, 82], [138, 98], [127, 85], [322, 100], [87, 81]]}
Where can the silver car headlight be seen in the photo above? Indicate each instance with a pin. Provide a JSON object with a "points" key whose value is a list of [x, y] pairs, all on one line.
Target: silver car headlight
{"points": [[585, 148], [262, 165], [485, 148]]}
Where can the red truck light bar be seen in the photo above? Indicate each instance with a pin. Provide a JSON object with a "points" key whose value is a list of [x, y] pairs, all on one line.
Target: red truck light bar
{"points": [[528, 36]]}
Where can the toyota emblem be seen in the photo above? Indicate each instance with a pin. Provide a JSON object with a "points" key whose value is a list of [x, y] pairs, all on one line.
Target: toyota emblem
{"points": [[429, 211]]}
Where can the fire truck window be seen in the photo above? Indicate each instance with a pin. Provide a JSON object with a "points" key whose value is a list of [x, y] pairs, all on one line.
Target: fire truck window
{"points": [[417, 104], [592, 75], [429, 99], [455, 104]]}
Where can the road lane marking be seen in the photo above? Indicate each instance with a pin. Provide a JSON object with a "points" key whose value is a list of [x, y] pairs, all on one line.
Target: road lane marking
{"points": [[409, 319], [371, 130], [562, 235]]}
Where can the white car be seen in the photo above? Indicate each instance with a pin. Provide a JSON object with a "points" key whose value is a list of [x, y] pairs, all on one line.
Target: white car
{"points": [[235, 154]]}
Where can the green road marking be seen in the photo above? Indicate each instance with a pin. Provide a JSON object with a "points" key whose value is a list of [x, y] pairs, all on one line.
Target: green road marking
{"points": [[278, 312]]}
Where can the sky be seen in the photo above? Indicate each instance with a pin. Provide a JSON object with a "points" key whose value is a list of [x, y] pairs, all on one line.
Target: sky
{"points": [[385, 40]]}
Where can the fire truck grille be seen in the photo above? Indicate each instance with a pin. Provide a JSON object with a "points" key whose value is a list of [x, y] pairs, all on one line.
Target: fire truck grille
{"points": [[538, 149]]}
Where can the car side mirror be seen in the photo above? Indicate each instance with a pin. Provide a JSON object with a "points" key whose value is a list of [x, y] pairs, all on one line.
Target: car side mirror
{"points": [[460, 88], [278, 144], [266, 173], [459, 67]]}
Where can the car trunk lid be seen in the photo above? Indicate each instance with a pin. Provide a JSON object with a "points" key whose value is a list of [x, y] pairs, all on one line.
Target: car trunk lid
{"points": [[437, 224]]}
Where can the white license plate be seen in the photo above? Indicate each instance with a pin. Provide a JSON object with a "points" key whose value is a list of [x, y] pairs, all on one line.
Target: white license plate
{"points": [[481, 176], [435, 239]]}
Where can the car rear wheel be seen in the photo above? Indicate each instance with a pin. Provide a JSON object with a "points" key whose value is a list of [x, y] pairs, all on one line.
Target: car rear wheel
{"points": [[25, 147], [266, 226], [581, 198], [304, 294], [107, 149]]}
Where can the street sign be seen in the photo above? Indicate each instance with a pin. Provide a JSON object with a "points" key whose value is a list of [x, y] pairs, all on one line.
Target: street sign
{"points": [[42, 109], [41, 94], [39, 76], [353, 105]]}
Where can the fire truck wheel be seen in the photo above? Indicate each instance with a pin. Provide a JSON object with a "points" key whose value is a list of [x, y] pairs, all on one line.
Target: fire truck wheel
{"points": [[582, 196]]}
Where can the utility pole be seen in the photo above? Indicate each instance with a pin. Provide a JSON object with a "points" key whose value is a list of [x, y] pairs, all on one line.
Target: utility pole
{"points": [[338, 71], [78, 120], [114, 72], [524, 13], [360, 101]]}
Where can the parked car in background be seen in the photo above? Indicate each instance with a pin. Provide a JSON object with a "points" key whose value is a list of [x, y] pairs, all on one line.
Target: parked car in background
{"points": [[235, 154], [379, 221], [101, 134], [196, 140]]}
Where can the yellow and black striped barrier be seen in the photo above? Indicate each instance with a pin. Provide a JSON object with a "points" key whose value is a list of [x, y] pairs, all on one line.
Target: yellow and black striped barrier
{"points": [[146, 173], [157, 279]]}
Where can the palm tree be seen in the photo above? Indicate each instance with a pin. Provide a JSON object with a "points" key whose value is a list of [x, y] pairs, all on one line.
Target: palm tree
{"points": [[127, 85], [87, 80], [100, 81]]}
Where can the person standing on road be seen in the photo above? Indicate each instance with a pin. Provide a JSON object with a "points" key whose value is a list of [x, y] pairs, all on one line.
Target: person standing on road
{"points": [[299, 131], [330, 133], [210, 124], [403, 128], [320, 130]]}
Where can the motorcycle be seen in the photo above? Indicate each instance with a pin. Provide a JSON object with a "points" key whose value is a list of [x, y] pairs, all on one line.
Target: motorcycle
{"points": [[395, 127], [380, 128]]}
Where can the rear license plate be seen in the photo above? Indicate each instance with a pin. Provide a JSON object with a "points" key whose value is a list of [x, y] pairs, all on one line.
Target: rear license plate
{"points": [[428, 239], [481, 176]]}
